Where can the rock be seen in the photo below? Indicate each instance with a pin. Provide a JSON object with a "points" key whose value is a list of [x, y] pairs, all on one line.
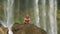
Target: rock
{"points": [[3, 30], [26, 29]]}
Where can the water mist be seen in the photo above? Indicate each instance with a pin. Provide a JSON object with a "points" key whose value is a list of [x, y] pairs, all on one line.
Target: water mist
{"points": [[52, 16], [36, 13], [8, 12]]}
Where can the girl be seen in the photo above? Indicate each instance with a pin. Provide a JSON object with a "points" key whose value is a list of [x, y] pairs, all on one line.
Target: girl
{"points": [[27, 19]]}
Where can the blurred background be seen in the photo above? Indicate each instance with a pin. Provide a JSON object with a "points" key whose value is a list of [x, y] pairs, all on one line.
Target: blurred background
{"points": [[21, 8]]}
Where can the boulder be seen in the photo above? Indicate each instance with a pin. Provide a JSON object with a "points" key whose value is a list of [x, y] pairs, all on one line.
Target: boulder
{"points": [[3, 30], [26, 29]]}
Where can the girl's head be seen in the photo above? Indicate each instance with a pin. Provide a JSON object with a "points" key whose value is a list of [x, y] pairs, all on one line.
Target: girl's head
{"points": [[27, 16]]}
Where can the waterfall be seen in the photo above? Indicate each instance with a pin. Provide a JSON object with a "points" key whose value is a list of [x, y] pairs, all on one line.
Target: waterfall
{"points": [[4, 22], [52, 17], [8, 12], [55, 17], [36, 13], [44, 14]]}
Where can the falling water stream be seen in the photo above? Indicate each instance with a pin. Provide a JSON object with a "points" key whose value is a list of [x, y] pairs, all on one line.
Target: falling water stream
{"points": [[8, 12], [44, 14], [52, 16], [36, 13]]}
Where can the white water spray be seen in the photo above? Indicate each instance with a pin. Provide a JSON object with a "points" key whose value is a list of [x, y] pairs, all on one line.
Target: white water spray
{"points": [[36, 13], [8, 10], [52, 17], [44, 14], [56, 17]]}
